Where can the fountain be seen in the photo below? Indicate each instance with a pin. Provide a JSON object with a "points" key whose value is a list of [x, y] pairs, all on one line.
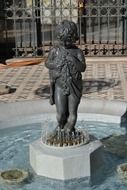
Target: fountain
{"points": [[20, 126], [73, 152], [63, 152]]}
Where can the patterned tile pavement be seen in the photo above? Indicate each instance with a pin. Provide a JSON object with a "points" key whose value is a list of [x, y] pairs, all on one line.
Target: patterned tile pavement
{"points": [[105, 78]]}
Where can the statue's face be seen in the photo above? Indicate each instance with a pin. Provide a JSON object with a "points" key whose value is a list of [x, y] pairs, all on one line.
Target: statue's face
{"points": [[68, 44], [69, 41]]}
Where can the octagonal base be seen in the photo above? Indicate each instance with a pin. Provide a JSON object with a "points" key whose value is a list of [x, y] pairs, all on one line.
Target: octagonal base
{"points": [[66, 164]]}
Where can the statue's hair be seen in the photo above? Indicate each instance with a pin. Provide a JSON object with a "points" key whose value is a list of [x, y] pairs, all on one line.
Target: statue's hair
{"points": [[66, 30]]}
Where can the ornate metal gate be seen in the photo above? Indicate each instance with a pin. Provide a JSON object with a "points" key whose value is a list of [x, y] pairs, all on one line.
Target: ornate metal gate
{"points": [[102, 25]]}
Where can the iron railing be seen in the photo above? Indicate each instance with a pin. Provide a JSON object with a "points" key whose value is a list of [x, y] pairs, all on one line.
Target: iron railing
{"points": [[102, 25]]}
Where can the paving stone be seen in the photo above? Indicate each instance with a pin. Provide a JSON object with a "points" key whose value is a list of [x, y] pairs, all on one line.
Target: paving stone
{"points": [[104, 79]]}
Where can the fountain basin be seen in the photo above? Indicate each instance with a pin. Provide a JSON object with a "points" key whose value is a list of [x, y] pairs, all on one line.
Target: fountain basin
{"points": [[20, 113]]}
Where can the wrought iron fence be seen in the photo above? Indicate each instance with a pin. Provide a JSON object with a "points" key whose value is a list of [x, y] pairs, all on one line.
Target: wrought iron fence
{"points": [[102, 25]]}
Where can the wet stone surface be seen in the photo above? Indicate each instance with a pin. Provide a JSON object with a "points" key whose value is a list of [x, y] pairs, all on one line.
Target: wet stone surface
{"points": [[116, 144]]}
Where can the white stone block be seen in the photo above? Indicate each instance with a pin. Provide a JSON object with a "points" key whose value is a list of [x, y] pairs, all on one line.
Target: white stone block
{"points": [[65, 163]]}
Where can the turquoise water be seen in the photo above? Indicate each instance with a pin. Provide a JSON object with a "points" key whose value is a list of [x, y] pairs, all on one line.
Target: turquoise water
{"points": [[14, 153]]}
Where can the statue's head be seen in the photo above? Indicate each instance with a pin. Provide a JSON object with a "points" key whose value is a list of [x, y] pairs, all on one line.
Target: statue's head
{"points": [[66, 31]]}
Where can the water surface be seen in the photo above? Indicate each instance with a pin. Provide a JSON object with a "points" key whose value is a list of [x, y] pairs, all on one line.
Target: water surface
{"points": [[14, 153]]}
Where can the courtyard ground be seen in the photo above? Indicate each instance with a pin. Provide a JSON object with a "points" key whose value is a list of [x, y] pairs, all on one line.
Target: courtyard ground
{"points": [[105, 78]]}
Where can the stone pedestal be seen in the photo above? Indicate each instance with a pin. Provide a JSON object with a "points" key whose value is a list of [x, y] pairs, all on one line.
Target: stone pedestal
{"points": [[65, 163]]}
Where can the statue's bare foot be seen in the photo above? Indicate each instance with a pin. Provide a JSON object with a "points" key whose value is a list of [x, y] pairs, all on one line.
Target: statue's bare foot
{"points": [[57, 130], [69, 130]]}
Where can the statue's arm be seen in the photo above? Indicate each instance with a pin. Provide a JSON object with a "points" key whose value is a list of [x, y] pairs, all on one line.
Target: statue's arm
{"points": [[50, 62], [81, 66]]}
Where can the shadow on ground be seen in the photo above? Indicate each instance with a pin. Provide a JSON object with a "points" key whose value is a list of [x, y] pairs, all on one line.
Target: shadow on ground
{"points": [[89, 86]]}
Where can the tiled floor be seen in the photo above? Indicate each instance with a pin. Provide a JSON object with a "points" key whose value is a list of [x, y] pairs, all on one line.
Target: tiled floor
{"points": [[105, 78]]}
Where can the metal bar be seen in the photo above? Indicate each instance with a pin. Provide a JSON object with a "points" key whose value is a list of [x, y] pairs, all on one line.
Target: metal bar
{"points": [[43, 27], [99, 31], [85, 22], [30, 33], [38, 23], [126, 25], [90, 38], [108, 30], [94, 28], [21, 38], [33, 27], [123, 25], [118, 29], [5, 23], [61, 14], [24, 31], [80, 33], [15, 30], [53, 20], [70, 10]]}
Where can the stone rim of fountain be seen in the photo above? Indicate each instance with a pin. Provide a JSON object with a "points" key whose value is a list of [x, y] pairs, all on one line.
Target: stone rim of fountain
{"points": [[33, 111]]}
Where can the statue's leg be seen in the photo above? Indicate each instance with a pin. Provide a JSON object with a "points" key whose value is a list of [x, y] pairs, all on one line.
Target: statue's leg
{"points": [[61, 102], [51, 100], [73, 103]]}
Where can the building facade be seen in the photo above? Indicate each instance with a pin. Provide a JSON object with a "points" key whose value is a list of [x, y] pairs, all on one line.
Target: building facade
{"points": [[27, 27]]}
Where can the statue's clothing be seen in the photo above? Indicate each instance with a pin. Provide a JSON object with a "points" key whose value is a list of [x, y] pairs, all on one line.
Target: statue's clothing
{"points": [[65, 67]]}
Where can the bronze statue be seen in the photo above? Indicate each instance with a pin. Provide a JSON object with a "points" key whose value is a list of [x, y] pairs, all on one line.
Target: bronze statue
{"points": [[65, 63]]}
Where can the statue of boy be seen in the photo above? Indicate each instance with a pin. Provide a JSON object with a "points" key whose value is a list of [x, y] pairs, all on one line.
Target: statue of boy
{"points": [[65, 63]]}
